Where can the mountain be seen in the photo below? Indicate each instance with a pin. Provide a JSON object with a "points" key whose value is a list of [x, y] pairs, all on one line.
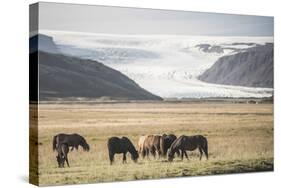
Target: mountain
{"points": [[42, 42], [72, 78], [253, 67], [68, 77]]}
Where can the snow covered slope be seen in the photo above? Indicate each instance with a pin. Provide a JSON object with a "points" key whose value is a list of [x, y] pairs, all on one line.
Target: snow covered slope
{"points": [[167, 66]]}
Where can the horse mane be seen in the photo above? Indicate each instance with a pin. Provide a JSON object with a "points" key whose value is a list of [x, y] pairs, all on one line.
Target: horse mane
{"points": [[174, 144], [131, 147]]}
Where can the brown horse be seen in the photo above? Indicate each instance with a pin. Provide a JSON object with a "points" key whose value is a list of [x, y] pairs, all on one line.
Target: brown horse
{"points": [[152, 145], [121, 145], [62, 150], [72, 140], [189, 143]]}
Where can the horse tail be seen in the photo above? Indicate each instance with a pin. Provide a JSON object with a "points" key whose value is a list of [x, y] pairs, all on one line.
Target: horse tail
{"points": [[162, 145], [54, 143], [205, 147]]}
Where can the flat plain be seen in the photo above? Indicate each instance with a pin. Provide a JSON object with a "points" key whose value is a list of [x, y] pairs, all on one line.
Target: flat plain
{"points": [[240, 139]]}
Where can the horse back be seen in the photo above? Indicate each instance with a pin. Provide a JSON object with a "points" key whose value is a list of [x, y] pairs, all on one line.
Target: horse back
{"points": [[193, 142], [115, 145], [152, 141], [70, 139], [200, 139]]}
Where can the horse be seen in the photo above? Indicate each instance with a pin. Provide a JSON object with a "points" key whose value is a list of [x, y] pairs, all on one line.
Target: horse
{"points": [[141, 149], [189, 143], [152, 145], [165, 143], [121, 145], [62, 150], [73, 140]]}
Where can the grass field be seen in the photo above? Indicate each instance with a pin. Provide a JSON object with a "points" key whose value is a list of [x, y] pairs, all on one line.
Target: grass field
{"points": [[240, 139]]}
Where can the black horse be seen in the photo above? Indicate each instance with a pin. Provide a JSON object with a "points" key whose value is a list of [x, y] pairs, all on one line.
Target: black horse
{"points": [[189, 143], [166, 142], [63, 150], [121, 145], [72, 140]]}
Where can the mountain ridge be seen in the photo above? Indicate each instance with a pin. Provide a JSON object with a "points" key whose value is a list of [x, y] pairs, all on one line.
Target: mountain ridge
{"points": [[63, 77], [252, 67]]}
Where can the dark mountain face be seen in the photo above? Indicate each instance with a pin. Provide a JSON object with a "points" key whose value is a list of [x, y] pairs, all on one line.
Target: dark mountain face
{"points": [[63, 77], [42, 42], [252, 67]]}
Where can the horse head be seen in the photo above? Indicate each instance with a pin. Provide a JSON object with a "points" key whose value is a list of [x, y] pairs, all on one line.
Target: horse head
{"points": [[86, 147], [135, 156], [170, 155], [60, 160]]}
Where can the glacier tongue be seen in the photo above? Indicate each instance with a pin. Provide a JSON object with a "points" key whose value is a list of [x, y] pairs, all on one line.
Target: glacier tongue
{"points": [[167, 66]]}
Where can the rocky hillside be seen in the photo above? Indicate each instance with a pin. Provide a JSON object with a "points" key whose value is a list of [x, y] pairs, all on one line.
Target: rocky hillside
{"points": [[62, 77], [252, 67]]}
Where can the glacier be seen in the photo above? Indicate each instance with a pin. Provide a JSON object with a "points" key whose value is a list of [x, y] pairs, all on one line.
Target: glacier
{"points": [[165, 65]]}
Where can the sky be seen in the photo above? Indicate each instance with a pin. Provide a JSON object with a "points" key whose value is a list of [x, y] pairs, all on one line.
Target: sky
{"points": [[118, 20]]}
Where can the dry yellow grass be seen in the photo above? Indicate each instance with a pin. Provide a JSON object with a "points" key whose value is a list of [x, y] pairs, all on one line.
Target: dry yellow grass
{"points": [[240, 139]]}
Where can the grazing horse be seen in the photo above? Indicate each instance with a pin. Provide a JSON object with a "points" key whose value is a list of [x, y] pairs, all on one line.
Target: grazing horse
{"points": [[63, 150], [73, 140], [165, 143], [152, 145], [121, 145], [141, 149], [189, 143]]}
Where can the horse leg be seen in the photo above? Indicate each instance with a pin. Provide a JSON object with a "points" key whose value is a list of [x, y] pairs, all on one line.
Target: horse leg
{"points": [[182, 152], [124, 158], [159, 153], [153, 152], [178, 153], [76, 147], [147, 151], [111, 158], [66, 159], [201, 152], [186, 155], [143, 153]]}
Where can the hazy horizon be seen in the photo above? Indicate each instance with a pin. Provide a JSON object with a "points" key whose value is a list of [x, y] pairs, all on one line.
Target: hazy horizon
{"points": [[139, 21]]}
